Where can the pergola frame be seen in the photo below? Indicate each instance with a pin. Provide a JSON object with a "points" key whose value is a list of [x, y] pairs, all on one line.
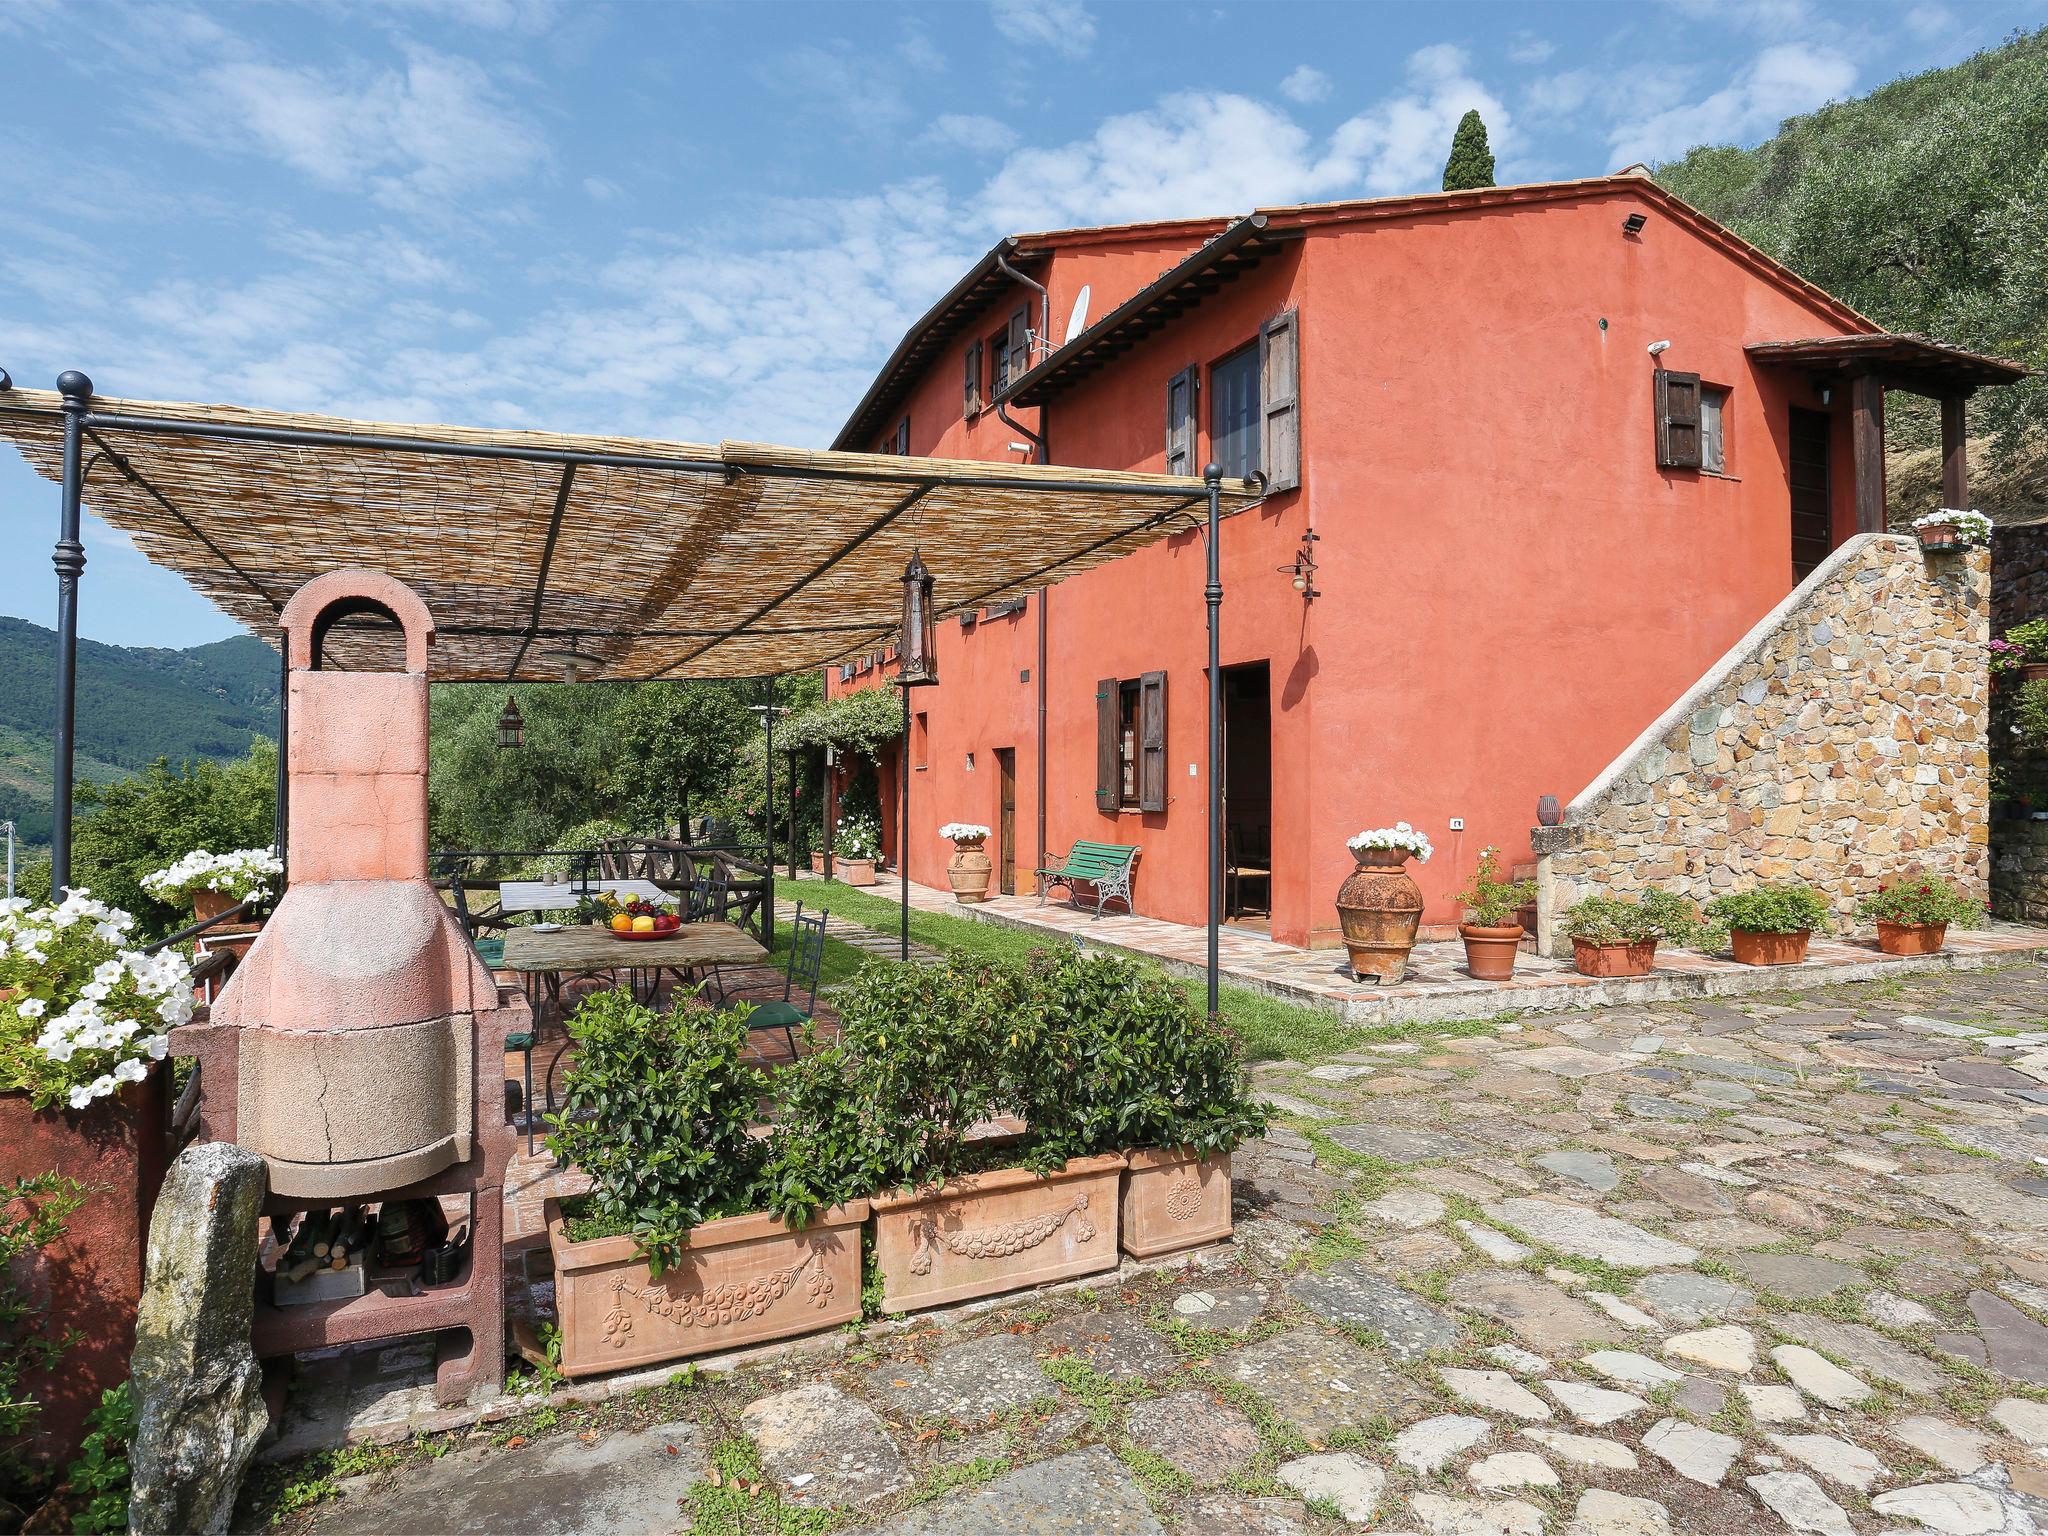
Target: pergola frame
{"points": [[1164, 499]]}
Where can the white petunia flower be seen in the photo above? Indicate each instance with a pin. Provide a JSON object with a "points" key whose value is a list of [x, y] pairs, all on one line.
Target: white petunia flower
{"points": [[80, 1097], [156, 1046], [32, 1007], [130, 1072]]}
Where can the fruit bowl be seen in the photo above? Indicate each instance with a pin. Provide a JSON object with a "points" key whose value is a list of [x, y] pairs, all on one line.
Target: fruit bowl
{"points": [[657, 933]]}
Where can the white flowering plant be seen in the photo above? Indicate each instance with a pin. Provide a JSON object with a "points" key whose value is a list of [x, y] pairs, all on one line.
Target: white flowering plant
{"points": [[242, 875], [81, 1013], [858, 838], [1971, 527], [963, 832], [1399, 835]]}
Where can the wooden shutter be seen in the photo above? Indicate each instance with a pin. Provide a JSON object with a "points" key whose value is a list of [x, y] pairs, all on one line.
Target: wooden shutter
{"points": [[901, 442], [1017, 355], [1106, 729], [1152, 742], [1180, 424], [971, 401], [1678, 419], [1280, 400]]}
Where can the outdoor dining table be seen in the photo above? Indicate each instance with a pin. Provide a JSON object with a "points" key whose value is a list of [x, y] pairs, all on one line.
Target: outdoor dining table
{"points": [[543, 959], [561, 895]]}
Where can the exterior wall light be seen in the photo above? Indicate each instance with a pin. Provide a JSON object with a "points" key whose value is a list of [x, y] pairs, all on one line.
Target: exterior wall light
{"points": [[918, 648], [1303, 570], [1633, 224], [511, 725]]}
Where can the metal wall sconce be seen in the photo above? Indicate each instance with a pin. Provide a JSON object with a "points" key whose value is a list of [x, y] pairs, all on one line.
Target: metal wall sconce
{"points": [[1824, 393], [1633, 224], [1303, 570], [511, 724]]}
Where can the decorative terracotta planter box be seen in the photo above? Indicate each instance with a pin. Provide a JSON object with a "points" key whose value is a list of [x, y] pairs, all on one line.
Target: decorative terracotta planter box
{"points": [[855, 871], [1590, 959], [817, 863], [992, 1232], [743, 1280], [1768, 948], [1911, 938], [1174, 1199]]}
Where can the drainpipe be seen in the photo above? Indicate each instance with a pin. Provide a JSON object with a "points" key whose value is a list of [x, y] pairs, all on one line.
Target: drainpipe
{"points": [[1045, 334]]}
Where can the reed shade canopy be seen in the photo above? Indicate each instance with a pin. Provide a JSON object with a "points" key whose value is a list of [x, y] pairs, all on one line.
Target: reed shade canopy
{"points": [[648, 558]]}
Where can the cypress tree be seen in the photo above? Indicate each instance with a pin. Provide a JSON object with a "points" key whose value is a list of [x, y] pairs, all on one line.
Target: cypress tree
{"points": [[1471, 162]]}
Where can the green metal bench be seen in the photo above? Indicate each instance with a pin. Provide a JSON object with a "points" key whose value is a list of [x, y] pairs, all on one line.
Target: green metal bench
{"points": [[1104, 868]]}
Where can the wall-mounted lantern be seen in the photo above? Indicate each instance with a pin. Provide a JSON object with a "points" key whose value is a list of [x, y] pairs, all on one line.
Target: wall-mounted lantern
{"points": [[1303, 570], [511, 725], [918, 647]]}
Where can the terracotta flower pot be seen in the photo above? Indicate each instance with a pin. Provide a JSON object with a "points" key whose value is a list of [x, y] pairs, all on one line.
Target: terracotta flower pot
{"points": [[1768, 948], [1380, 907], [1174, 1198], [742, 1280], [207, 904], [818, 862], [968, 871], [2033, 671], [1911, 938], [856, 871], [1490, 952], [1590, 959], [1939, 536], [991, 1232]]}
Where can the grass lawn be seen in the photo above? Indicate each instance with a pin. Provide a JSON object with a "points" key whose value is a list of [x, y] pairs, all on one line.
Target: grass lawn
{"points": [[840, 961], [1270, 1029]]}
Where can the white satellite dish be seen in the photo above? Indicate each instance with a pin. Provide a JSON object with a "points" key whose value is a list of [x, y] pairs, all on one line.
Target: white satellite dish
{"points": [[1077, 322]]}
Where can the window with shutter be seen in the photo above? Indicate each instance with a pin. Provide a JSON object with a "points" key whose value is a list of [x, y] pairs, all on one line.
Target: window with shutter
{"points": [[971, 401], [1108, 722], [1280, 395], [1180, 424], [900, 443], [1678, 419], [1152, 742], [1019, 342], [1234, 413]]}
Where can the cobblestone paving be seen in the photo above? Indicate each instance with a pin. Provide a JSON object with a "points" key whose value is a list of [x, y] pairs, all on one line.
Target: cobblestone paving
{"points": [[1778, 1264]]}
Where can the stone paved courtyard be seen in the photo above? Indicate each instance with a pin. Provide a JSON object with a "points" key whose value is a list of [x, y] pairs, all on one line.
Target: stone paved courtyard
{"points": [[1768, 1264]]}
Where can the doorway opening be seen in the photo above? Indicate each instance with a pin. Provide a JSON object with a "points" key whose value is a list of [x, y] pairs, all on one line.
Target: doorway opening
{"points": [[1812, 499], [1248, 795], [1006, 822]]}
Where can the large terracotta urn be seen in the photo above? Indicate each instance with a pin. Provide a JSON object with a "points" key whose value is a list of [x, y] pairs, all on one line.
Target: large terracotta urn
{"points": [[969, 869], [1380, 907]]}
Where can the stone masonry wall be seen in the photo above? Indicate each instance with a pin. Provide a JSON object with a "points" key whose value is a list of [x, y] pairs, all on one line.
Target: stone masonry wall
{"points": [[2019, 847], [1842, 741]]}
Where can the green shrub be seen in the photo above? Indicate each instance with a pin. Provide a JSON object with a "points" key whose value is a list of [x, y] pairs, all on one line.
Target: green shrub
{"points": [[1104, 1056], [2030, 712], [1488, 900], [98, 1477], [1787, 908], [821, 1152], [2031, 637], [1660, 915], [1927, 899], [655, 1110], [33, 1212]]}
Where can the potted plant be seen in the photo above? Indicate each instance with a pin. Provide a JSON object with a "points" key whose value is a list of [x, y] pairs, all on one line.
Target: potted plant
{"points": [[969, 869], [1492, 931], [688, 1241], [85, 1019], [1949, 528], [1912, 916], [1769, 924], [1379, 904], [855, 846], [1612, 936], [1106, 1056], [213, 882], [2023, 650], [960, 1213]]}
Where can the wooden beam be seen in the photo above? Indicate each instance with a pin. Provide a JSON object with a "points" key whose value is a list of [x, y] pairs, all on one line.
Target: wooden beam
{"points": [[1866, 450], [1955, 466]]}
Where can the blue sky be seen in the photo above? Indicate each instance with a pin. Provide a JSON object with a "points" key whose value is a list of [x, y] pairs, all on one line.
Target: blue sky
{"points": [[706, 221]]}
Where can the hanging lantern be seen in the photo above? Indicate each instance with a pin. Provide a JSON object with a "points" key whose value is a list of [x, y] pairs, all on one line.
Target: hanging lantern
{"points": [[917, 650], [511, 725]]}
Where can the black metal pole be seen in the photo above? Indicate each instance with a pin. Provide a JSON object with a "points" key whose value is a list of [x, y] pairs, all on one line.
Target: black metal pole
{"points": [[768, 819], [69, 558], [792, 815], [1213, 594], [903, 827]]}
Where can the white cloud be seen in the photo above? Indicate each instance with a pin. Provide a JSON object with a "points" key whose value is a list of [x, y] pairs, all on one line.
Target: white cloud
{"points": [[1560, 95], [1400, 145], [433, 128], [1528, 48], [1305, 84], [975, 134], [1782, 81], [837, 80], [1931, 23], [1065, 26], [601, 189]]}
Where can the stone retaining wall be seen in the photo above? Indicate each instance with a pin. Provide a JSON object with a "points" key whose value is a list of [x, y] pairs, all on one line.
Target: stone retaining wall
{"points": [[2019, 848], [2019, 870], [1842, 741]]}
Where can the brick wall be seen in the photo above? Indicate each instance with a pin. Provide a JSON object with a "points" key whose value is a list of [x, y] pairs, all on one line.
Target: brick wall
{"points": [[1844, 739]]}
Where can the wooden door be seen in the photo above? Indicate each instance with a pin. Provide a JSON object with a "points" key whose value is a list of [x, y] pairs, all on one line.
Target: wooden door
{"points": [[1006, 822], [1813, 522]]}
